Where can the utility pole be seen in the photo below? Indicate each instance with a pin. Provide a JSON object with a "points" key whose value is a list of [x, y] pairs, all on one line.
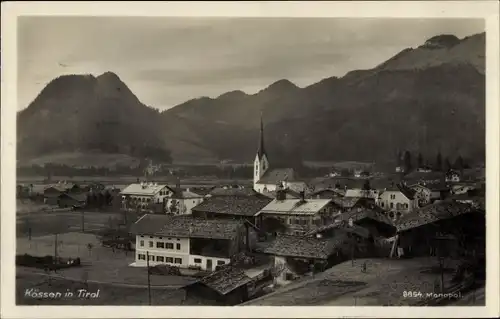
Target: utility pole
{"points": [[352, 252], [83, 221], [149, 278], [55, 253]]}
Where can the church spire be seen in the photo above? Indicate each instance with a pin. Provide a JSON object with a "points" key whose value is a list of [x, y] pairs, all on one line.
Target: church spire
{"points": [[261, 150]]}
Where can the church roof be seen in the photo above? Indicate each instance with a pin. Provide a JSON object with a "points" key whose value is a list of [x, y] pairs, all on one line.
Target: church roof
{"points": [[274, 176]]}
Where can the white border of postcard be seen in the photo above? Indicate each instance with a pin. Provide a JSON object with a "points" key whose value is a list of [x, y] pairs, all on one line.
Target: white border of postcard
{"points": [[388, 9]]}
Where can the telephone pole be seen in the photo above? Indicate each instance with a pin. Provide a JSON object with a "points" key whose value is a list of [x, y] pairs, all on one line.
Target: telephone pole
{"points": [[149, 278], [55, 252]]}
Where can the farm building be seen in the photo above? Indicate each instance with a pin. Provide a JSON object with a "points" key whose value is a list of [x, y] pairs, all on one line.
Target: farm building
{"points": [[185, 241]]}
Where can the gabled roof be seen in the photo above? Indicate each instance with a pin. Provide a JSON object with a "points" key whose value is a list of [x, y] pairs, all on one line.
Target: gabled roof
{"points": [[359, 230], [304, 247], [184, 194], [185, 226], [333, 192], [226, 279], [233, 205], [295, 206], [147, 190], [346, 202], [373, 214], [274, 176], [433, 213], [81, 197], [405, 190]]}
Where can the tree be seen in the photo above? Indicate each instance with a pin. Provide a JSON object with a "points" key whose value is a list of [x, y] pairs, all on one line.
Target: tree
{"points": [[439, 162], [407, 161], [420, 160], [447, 164]]}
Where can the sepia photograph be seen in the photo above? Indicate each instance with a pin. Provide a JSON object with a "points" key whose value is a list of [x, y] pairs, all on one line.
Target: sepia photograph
{"points": [[250, 161]]}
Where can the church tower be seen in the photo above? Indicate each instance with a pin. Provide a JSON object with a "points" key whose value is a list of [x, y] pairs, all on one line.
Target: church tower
{"points": [[261, 163]]}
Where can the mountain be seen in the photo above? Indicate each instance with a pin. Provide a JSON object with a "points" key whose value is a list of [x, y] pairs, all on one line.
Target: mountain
{"points": [[83, 113], [423, 99]]}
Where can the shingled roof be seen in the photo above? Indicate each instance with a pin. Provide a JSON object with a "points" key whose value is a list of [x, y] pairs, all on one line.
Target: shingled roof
{"points": [[233, 205], [304, 247], [226, 279], [185, 226], [374, 214], [433, 213]]}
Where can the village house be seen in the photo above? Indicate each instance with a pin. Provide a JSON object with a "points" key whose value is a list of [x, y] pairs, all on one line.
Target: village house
{"points": [[422, 194], [74, 200], [232, 283], [455, 227], [295, 216], [452, 176], [181, 202], [188, 242], [347, 204], [397, 200], [52, 192], [140, 196], [231, 207], [296, 256]]}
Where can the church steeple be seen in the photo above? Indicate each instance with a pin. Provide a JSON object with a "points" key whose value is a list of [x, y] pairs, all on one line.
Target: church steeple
{"points": [[261, 151]]}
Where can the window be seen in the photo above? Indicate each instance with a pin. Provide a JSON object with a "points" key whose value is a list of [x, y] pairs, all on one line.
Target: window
{"points": [[151, 257], [392, 205], [169, 259], [178, 260], [169, 246], [160, 258], [160, 245], [197, 260], [221, 262], [150, 236], [141, 257], [142, 236], [178, 239], [141, 243], [150, 244], [406, 205], [178, 246], [381, 204]]}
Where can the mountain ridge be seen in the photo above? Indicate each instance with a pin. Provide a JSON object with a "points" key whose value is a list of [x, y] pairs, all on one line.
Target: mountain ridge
{"points": [[313, 122]]}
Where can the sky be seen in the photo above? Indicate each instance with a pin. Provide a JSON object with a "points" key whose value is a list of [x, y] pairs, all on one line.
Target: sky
{"points": [[166, 61]]}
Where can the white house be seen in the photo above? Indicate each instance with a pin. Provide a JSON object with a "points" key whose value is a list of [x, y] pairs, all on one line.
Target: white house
{"points": [[182, 202], [266, 179], [141, 195], [298, 216], [185, 241], [397, 200]]}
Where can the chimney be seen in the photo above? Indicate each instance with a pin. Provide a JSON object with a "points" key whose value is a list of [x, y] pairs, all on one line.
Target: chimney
{"points": [[302, 196], [280, 195]]}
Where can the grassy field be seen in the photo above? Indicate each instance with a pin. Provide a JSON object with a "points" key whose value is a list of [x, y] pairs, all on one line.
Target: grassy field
{"points": [[100, 264], [43, 223]]}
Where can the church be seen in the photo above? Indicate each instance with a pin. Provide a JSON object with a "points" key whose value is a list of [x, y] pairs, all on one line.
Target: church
{"points": [[267, 179]]}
